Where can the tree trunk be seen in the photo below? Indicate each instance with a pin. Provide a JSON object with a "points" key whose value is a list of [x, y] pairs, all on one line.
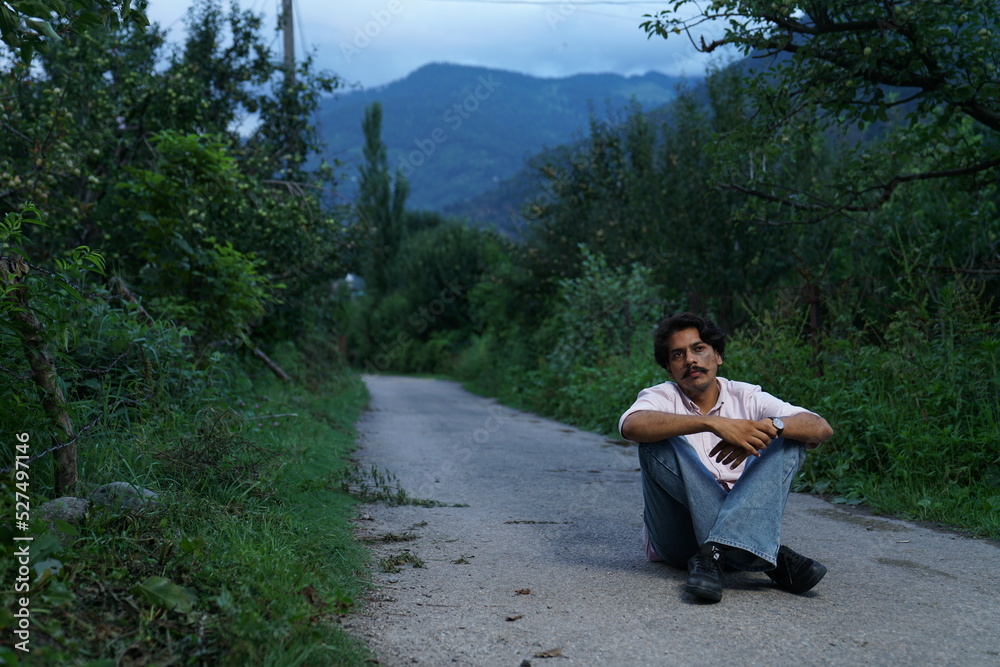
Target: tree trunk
{"points": [[43, 373]]}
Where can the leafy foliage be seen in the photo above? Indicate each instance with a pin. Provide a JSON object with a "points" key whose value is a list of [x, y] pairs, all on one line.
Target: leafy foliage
{"points": [[904, 428], [108, 128], [115, 366], [600, 311], [419, 324], [203, 224], [172, 252], [30, 25], [922, 69]]}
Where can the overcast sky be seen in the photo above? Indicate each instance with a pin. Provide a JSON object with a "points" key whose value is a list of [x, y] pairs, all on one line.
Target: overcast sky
{"points": [[373, 42]]}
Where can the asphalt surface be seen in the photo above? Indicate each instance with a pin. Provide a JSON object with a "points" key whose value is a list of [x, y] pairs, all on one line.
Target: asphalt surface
{"points": [[542, 564]]}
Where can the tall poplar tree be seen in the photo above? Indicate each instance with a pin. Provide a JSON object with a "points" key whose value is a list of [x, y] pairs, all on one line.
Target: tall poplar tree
{"points": [[380, 204]]}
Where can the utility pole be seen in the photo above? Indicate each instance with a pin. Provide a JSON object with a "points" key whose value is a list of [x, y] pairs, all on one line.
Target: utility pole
{"points": [[293, 149], [289, 32]]}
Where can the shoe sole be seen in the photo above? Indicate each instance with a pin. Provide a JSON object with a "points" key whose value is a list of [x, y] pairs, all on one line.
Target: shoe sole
{"points": [[704, 592]]}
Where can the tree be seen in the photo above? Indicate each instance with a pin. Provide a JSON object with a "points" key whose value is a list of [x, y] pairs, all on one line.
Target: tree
{"points": [[30, 25], [380, 203], [87, 123], [439, 266], [141, 156], [185, 213], [639, 189], [919, 80]]}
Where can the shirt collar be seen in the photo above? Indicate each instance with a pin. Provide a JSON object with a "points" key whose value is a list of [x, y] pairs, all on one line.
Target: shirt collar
{"points": [[723, 395]]}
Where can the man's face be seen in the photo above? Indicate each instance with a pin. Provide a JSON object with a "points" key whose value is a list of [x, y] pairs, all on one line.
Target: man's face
{"points": [[693, 363]]}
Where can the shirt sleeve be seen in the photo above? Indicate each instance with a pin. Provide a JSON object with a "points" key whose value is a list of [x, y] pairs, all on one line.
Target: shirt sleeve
{"points": [[764, 405], [651, 398], [770, 406]]}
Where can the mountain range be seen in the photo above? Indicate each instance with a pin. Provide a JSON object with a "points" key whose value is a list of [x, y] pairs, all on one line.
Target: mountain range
{"points": [[457, 132]]}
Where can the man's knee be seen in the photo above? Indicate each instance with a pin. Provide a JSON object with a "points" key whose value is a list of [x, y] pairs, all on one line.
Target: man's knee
{"points": [[785, 447], [662, 453]]}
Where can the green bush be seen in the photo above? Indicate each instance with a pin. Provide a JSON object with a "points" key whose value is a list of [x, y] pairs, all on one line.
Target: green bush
{"points": [[172, 250], [915, 414], [420, 324], [599, 313]]}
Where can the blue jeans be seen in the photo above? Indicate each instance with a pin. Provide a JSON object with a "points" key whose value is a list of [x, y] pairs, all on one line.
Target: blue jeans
{"points": [[685, 507]]}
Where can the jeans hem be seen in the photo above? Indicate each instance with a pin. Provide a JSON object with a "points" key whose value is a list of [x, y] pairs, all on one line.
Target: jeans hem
{"points": [[769, 563]]}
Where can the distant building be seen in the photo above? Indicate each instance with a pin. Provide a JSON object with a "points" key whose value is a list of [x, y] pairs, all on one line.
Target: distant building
{"points": [[354, 285]]}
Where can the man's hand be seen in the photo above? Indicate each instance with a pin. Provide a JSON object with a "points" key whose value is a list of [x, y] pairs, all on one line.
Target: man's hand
{"points": [[729, 455], [741, 438]]}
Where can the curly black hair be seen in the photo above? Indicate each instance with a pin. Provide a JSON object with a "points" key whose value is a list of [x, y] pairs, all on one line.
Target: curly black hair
{"points": [[708, 330]]}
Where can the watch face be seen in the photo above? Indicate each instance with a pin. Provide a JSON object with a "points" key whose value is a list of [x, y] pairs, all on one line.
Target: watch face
{"points": [[778, 424]]}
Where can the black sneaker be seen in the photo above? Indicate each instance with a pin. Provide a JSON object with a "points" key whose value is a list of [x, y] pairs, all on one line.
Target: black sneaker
{"points": [[794, 572], [705, 573]]}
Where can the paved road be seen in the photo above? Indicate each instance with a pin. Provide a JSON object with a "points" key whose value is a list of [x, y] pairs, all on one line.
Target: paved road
{"points": [[546, 559]]}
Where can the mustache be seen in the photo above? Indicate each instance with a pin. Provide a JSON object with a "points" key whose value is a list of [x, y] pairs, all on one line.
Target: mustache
{"points": [[695, 368]]}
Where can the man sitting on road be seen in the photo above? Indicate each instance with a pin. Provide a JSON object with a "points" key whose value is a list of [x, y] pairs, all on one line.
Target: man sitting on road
{"points": [[718, 458]]}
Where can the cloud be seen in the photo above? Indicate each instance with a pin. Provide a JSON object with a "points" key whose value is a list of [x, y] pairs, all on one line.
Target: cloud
{"points": [[373, 42]]}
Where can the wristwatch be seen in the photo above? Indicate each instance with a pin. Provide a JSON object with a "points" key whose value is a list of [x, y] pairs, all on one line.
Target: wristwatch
{"points": [[778, 424]]}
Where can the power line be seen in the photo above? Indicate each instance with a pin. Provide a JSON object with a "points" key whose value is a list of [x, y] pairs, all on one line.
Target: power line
{"points": [[576, 6], [554, 2], [302, 33]]}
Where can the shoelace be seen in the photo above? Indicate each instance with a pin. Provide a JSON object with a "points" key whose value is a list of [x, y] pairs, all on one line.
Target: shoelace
{"points": [[707, 561], [792, 559]]}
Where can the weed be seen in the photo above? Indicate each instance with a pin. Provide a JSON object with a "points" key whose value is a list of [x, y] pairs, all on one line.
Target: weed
{"points": [[394, 563], [372, 485], [391, 537], [217, 457]]}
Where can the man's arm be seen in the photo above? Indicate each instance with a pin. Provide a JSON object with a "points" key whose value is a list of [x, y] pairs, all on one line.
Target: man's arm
{"points": [[806, 427], [739, 437], [802, 426], [653, 426]]}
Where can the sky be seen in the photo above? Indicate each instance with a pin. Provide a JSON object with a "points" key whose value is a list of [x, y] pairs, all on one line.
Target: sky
{"points": [[369, 43]]}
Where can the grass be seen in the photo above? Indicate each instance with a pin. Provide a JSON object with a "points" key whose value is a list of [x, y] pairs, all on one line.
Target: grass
{"points": [[249, 558]]}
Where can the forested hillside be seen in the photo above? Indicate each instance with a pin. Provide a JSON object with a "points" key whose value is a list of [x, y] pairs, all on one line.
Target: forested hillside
{"points": [[456, 131]]}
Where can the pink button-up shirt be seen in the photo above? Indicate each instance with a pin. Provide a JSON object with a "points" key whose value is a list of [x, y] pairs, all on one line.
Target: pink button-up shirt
{"points": [[737, 400]]}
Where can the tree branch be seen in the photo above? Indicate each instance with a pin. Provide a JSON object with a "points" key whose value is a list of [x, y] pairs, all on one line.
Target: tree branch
{"points": [[275, 368], [888, 188], [820, 27], [889, 72], [885, 190]]}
